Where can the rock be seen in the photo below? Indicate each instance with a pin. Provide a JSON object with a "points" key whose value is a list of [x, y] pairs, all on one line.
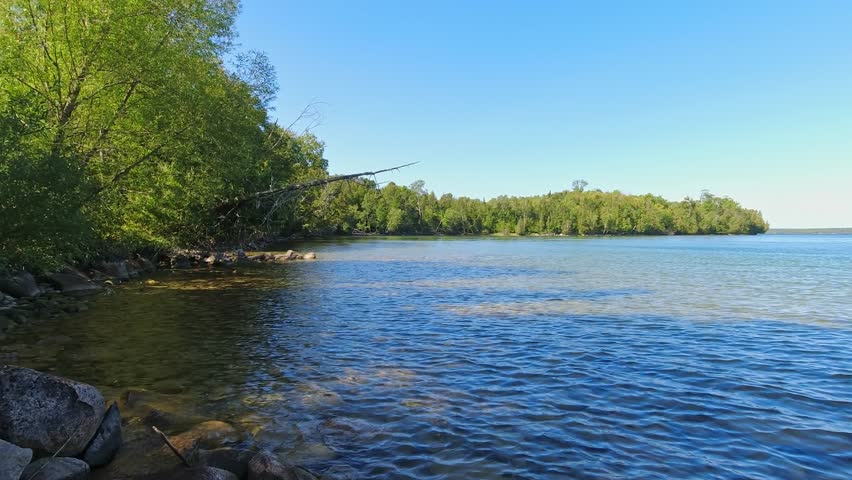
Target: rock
{"points": [[142, 456], [13, 460], [107, 439], [115, 270], [59, 468], [20, 285], [230, 459], [72, 281], [201, 473], [310, 256], [145, 265], [42, 412], [6, 323], [210, 434], [264, 467]]}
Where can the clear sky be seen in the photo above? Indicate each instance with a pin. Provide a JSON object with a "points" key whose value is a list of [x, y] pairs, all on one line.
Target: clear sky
{"points": [[749, 99]]}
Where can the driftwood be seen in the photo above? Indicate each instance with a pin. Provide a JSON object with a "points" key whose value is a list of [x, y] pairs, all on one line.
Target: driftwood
{"points": [[229, 206], [35, 474], [171, 446]]}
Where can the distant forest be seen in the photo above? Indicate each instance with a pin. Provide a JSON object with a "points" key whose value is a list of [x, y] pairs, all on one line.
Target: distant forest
{"points": [[361, 207]]}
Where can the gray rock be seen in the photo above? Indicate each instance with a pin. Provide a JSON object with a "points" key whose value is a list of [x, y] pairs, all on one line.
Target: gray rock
{"points": [[264, 467], [115, 270], [72, 281], [59, 468], [20, 285], [42, 412], [202, 473], [13, 460], [142, 456], [6, 323], [107, 439], [231, 459]]}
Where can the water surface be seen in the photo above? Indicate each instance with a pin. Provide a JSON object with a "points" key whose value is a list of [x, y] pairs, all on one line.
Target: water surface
{"points": [[539, 358]]}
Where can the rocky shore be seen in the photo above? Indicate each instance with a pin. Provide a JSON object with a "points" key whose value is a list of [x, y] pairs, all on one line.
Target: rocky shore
{"points": [[52, 428], [25, 296]]}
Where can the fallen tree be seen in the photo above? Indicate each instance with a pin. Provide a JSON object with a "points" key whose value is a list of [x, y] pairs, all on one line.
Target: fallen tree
{"points": [[274, 194]]}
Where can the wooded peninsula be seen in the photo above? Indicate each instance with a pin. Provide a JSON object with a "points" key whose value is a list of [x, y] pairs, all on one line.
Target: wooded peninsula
{"points": [[132, 125]]}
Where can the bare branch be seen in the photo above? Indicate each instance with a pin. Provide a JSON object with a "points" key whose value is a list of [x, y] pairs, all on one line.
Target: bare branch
{"points": [[227, 207]]}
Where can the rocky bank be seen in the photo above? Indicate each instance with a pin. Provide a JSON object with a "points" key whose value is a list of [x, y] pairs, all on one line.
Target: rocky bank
{"points": [[52, 428], [25, 296]]}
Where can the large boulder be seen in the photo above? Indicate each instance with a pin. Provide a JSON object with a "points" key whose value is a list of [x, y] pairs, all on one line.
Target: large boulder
{"points": [[43, 412], [20, 285], [73, 282], [13, 460], [107, 439], [264, 467], [57, 468]]}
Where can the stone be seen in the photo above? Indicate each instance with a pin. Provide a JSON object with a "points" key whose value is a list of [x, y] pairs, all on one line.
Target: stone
{"points": [[58, 468], [13, 460], [146, 265], [72, 281], [20, 285], [42, 412], [142, 456], [201, 473], [115, 270], [6, 323], [310, 256], [107, 439], [264, 467], [210, 434], [231, 459]]}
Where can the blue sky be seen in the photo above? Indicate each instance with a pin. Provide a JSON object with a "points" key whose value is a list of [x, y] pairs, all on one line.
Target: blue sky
{"points": [[747, 99]]}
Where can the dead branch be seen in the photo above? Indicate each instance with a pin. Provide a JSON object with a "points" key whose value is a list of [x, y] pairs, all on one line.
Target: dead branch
{"points": [[172, 447], [229, 206]]}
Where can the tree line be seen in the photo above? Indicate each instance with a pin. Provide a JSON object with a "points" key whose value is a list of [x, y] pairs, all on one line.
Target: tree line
{"points": [[393, 209], [124, 124]]}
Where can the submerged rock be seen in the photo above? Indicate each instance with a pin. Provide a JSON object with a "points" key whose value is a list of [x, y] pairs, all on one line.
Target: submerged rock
{"points": [[201, 473], [107, 439], [142, 455], [13, 460], [20, 285], [264, 467], [231, 459], [58, 468], [210, 434], [43, 412]]}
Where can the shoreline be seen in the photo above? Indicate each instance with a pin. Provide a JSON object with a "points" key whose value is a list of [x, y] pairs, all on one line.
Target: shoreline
{"points": [[25, 296]]}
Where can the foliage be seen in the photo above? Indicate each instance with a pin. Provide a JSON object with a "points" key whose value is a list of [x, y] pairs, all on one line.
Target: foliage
{"points": [[393, 209], [121, 127]]}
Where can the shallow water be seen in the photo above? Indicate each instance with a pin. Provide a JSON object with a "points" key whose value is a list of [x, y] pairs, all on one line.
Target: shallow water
{"points": [[664, 357]]}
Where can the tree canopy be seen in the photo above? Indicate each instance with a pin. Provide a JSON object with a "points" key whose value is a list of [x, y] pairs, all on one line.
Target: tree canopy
{"points": [[393, 209]]}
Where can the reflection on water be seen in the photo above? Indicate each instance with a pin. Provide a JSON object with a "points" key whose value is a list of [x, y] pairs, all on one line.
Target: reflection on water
{"points": [[724, 357]]}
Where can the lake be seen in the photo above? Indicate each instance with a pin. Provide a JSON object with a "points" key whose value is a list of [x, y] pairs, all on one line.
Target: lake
{"points": [[532, 358]]}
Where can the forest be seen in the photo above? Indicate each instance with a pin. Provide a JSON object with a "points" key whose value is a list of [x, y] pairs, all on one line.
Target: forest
{"points": [[361, 208], [126, 125]]}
